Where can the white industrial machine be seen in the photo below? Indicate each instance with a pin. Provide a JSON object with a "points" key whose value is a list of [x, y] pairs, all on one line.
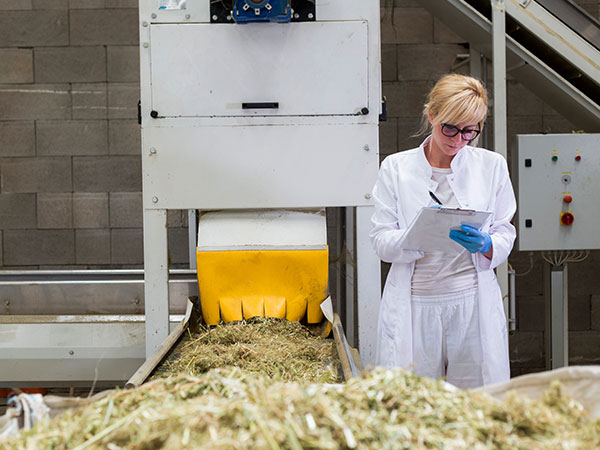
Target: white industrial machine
{"points": [[259, 114], [557, 189], [251, 109]]}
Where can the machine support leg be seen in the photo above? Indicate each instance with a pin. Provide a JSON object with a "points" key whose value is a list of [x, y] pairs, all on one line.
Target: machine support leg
{"points": [[499, 106], [192, 237], [512, 301], [558, 334], [478, 69], [350, 316], [475, 63], [502, 277], [499, 65], [156, 278], [338, 281], [368, 286]]}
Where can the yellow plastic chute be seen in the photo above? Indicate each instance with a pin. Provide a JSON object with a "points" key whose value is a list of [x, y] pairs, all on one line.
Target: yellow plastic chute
{"points": [[240, 284]]}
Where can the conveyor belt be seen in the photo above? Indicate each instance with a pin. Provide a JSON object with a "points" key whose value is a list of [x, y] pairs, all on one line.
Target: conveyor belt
{"points": [[349, 359]]}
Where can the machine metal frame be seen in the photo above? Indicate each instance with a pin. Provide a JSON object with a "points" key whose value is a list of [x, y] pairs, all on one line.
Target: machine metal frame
{"points": [[77, 327], [337, 150]]}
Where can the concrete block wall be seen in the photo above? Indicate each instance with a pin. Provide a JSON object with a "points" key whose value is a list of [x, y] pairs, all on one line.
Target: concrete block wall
{"points": [[70, 169], [70, 175]]}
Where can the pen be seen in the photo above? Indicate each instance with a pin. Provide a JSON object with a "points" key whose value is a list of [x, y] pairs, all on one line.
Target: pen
{"points": [[435, 199]]}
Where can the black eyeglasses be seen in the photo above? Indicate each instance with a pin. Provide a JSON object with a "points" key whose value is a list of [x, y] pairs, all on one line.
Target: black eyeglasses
{"points": [[451, 131]]}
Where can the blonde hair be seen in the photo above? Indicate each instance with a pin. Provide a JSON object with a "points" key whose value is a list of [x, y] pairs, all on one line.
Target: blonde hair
{"points": [[456, 99]]}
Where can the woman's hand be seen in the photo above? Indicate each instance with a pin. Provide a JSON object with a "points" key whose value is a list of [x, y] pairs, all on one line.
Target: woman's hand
{"points": [[472, 239]]}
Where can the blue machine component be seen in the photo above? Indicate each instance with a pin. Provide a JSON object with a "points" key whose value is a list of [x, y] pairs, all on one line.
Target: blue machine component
{"points": [[247, 11]]}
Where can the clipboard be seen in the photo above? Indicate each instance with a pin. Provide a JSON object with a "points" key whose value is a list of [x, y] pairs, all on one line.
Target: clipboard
{"points": [[430, 228]]}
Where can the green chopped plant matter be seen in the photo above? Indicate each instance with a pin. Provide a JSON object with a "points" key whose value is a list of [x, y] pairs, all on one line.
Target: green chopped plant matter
{"points": [[232, 409], [275, 348]]}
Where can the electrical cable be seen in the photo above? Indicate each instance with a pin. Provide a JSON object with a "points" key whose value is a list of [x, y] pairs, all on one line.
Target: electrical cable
{"points": [[528, 270], [560, 257]]}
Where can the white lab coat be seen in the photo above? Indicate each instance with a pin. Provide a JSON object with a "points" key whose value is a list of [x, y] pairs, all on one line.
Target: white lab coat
{"points": [[479, 180]]}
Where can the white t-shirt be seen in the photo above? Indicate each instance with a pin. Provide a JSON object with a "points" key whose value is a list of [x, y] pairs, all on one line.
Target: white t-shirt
{"points": [[444, 272]]}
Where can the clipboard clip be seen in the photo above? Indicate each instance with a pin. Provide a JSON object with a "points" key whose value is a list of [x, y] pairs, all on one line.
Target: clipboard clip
{"points": [[465, 212]]}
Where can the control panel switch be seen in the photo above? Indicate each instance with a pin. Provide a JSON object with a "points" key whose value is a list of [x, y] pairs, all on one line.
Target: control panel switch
{"points": [[567, 218]]}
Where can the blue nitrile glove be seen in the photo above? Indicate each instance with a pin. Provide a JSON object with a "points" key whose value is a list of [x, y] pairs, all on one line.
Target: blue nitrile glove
{"points": [[472, 239]]}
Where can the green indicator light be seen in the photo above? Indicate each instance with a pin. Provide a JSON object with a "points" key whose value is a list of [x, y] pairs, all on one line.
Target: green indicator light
{"points": [[555, 158]]}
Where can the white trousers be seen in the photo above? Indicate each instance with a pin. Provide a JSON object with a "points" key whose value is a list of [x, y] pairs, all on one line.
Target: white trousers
{"points": [[446, 339]]}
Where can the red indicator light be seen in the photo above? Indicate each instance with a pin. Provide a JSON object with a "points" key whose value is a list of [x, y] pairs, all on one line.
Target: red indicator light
{"points": [[578, 158], [567, 218], [567, 199]]}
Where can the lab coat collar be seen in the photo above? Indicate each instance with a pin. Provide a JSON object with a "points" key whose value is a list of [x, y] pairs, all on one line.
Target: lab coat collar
{"points": [[457, 162], [457, 165], [423, 163]]}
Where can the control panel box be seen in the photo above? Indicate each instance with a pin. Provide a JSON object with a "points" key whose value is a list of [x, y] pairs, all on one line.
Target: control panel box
{"points": [[557, 191]]}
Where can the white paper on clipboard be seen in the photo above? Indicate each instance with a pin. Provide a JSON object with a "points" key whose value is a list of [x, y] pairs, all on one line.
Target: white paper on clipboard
{"points": [[429, 230]]}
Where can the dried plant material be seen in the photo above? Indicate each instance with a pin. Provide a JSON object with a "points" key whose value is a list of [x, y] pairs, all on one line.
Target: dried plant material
{"points": [[232, 409], [274, 348]]}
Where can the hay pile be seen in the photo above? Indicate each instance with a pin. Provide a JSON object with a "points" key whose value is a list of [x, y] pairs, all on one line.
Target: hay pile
{"points": [[274, 348], [386, 409]]}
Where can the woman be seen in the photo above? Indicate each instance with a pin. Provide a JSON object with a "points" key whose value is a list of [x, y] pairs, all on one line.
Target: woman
{"points": [[441, 312]]}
